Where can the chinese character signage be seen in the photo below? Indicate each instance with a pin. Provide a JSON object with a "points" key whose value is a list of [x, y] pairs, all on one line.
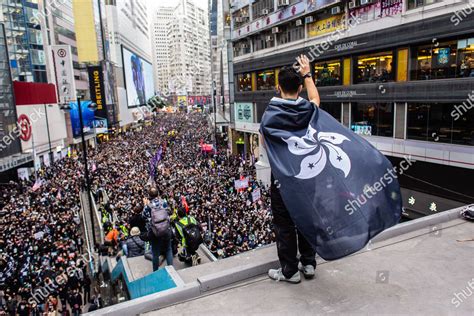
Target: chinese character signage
{"points": [[391, 7], [269, 20], [244, 112], [326, 26], [64, 72]]}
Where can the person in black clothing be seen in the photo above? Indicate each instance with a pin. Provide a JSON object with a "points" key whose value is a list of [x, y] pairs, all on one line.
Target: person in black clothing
{"points": [[289, 239], [76, 303], [134, 246], [87, 287], [137, 219]]}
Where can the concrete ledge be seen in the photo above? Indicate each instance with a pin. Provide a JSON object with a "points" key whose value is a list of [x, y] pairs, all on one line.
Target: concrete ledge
{"points": [[208, 253], [152, 302], [236, 274], [417, 224]]}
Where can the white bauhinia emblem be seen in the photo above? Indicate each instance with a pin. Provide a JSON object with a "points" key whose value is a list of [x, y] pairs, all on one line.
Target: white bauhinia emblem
{"points": [[324, 144]]}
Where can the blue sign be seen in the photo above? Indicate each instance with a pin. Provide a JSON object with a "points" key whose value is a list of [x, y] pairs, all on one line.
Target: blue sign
{"points": [[87, 117]]}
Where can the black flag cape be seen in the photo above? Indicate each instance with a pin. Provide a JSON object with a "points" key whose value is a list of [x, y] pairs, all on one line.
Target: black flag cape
{"points": [[339, 190]]}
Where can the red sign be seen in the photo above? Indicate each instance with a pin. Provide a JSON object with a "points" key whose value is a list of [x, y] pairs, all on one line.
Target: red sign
{"points": [[25, 127]]}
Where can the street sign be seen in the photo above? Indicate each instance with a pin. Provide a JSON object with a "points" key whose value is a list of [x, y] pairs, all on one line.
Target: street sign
{"points": [[64, 70]]}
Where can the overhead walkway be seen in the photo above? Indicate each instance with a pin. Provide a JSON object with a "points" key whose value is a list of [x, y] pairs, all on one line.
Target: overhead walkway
{"points": [[422, 267]]}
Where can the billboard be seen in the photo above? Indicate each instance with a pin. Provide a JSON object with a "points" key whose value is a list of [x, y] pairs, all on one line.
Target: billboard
{"points": [[138, 75], [87, 117], [243, 112]]}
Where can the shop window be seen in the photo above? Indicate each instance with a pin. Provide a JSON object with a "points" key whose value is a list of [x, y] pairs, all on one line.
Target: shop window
{"points": [[465, 57], [413, 4], [327, 73], [435, 122], [266, 80], [375, 68], [435, 61], [244, 82], [332, 108], [374, 119]]}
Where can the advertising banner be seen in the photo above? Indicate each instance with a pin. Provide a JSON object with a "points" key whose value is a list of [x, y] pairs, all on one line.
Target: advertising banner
{"points": [[87, 117], [138, 75], [366, 13], [391, 7], [66, 84], [326, 26], [244, 112], [97, 91], [274, 18]]}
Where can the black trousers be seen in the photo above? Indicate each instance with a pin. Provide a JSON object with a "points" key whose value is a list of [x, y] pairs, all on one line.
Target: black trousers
{"points": [[289, 239]]}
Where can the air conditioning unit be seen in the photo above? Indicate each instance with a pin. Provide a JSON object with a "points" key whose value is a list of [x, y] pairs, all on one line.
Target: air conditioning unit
{"points": [[239, 19], [275, 30], [364, 2], [265, 11], [335, 10], [283, 3], [352, 4], [308, 19], [269, 38], [298, 22]]}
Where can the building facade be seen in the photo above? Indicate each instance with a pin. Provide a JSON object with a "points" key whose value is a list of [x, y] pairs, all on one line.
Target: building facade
{"points": [[189, 64], [25, 40], [400, 73], [160, 45]]}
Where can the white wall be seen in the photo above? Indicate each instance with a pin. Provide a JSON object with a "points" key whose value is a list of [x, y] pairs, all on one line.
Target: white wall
{"points": [[37, 116]]}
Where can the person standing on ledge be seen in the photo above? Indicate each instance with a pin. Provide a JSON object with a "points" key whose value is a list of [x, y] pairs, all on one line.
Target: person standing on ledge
{"points": [[289, 239]]}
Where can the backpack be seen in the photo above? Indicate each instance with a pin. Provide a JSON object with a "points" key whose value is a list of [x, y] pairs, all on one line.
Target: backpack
{"points": [[192, 235], [160, 220]]}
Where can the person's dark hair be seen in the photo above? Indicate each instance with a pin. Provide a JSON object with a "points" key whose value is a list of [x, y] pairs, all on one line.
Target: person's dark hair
{"points": [[289, 79], [153, 192], [181, 212]]}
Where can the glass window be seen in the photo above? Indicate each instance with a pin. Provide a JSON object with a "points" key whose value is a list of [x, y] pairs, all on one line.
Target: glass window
{"points": [[440, 122], [435, 61], [375, 68], [332, 108], [244, 82], [263, 40], [413, 4], [260, 7], [375, 119], [327, 73], [465, 57], [290, 33], [266, 80]]}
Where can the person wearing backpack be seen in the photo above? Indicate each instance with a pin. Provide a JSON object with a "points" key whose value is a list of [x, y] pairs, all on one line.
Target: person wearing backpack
{"points": [[190, 234], [158, 228]]}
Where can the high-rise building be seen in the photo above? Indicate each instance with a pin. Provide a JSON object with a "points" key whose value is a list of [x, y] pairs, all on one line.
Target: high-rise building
{"points": [[160, 45], [189, 64], [25, 40]]}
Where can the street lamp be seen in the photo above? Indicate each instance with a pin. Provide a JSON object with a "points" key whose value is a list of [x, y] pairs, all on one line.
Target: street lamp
{"points": [[51, 156], [91, 106]]}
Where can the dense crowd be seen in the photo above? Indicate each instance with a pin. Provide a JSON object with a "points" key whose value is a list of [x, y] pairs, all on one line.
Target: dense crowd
{"points": [[41, 235]]}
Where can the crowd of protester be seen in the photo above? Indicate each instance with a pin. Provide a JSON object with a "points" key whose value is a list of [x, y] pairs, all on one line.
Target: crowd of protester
{"points": [[40, 223]]}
